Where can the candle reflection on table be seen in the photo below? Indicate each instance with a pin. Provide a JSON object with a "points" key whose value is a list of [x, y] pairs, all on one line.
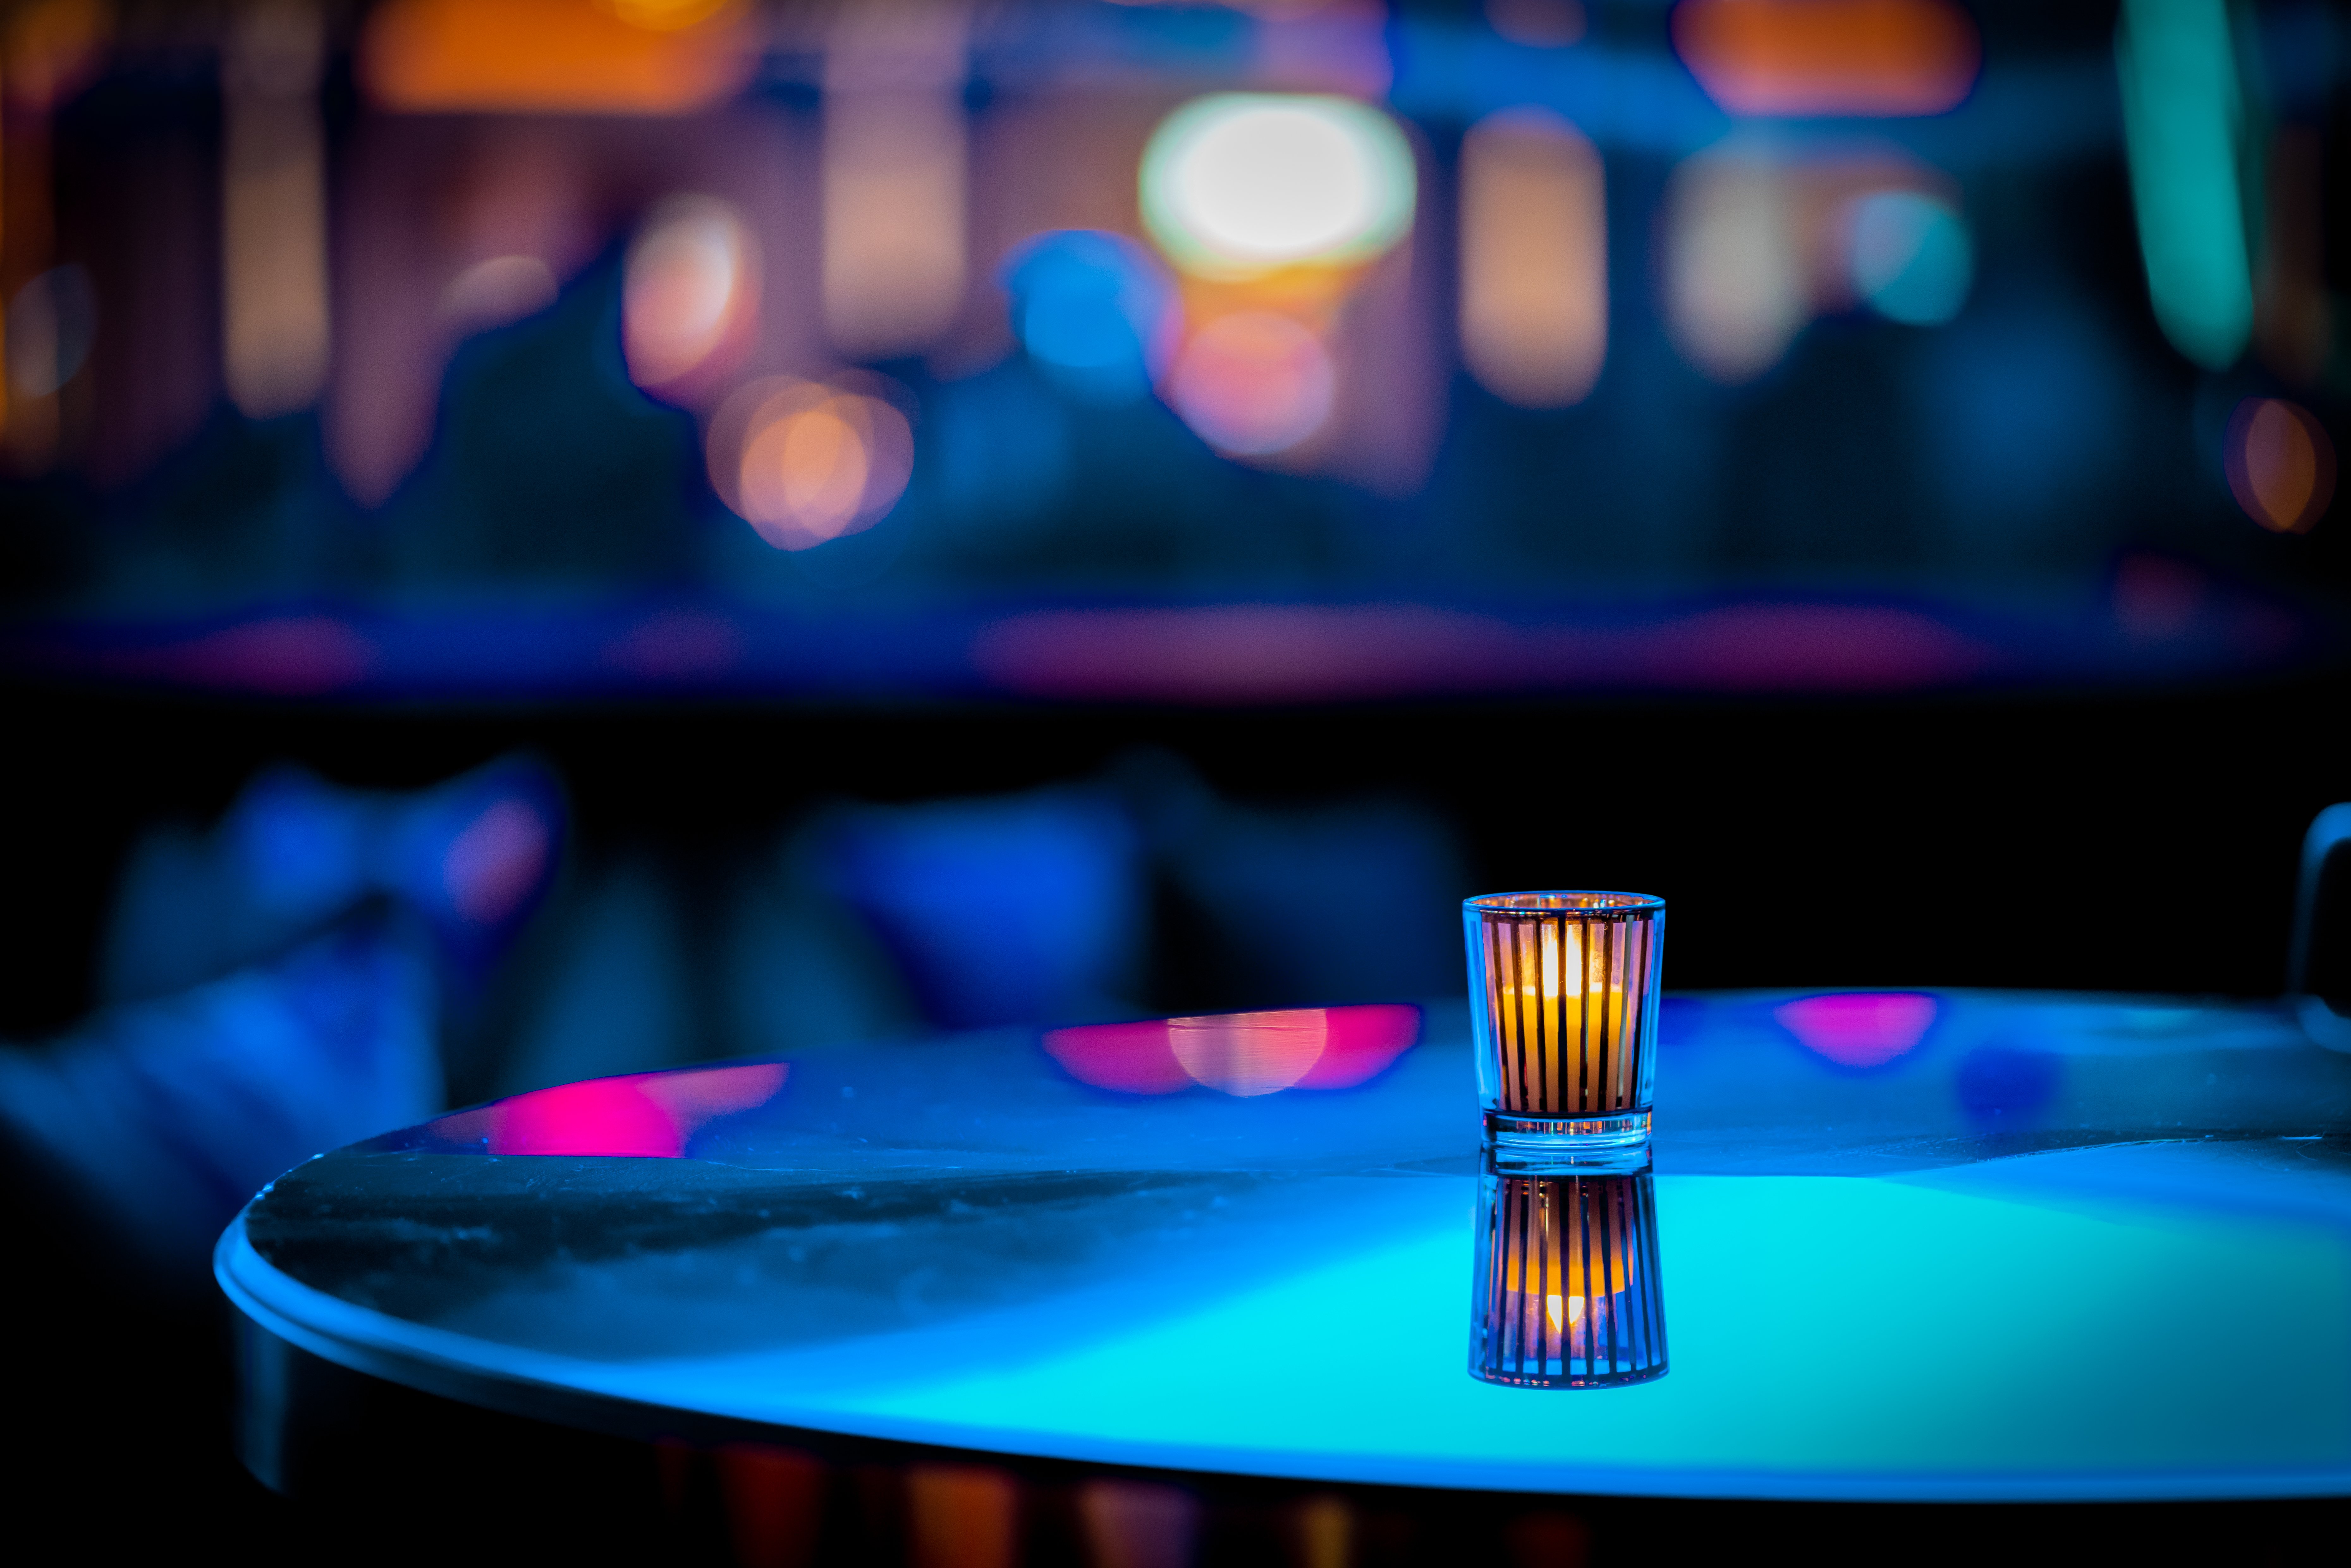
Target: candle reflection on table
{"points": [[1567, 1291]]}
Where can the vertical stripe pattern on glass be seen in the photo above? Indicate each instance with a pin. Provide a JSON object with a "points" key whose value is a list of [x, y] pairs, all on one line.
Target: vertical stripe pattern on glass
{"points": [[1567, 993], [1570, 1292]]}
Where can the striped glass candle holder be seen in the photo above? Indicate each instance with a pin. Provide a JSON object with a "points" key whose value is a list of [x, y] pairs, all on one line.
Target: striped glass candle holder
{"points": [[1568, 1294], [1564, 997]]}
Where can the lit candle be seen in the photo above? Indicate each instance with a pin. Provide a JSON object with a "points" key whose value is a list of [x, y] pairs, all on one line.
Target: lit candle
{"points": [[1564, 1024], [1564, 1018]]}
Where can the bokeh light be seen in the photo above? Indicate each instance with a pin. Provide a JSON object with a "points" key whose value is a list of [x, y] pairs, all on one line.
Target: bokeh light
{"points": [[644, 1116], [1240, 1054], [555, 57], [693, 286], [1235, 184], [1736, 292], [494, 292], [668, 16], [52, 49], [2183, 123], [1095, 310], [275, 337], [1248, 1054], [1867, 58], [51, 324], [895, 234], [806, 462], [1995, 1082], [2280, 462], [1535, 258], [1910, 256], [1536, 24], [1859, 1028], [1253, 382]]}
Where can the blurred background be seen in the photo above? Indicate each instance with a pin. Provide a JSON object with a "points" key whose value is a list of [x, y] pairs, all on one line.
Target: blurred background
{"points": [[543, 538]]}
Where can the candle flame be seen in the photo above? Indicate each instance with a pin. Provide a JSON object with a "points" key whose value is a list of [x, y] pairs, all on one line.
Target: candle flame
{"points": [[1574, 1310], [1559, 955]]}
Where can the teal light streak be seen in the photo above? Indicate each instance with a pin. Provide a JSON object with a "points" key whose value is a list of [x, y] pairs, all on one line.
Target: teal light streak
{"points": [[2184, 119]]}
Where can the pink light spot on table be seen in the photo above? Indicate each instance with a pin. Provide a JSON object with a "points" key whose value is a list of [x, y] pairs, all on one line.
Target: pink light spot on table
{"points": [[1243, 1054], [1358, 1042], [647, 1114], [1859, 1028], [1248, 1054], [1131, 1058]]}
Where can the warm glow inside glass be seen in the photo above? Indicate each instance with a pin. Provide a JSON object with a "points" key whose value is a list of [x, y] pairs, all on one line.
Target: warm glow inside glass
{"points": [[1564, 998], [1567, 1292]]}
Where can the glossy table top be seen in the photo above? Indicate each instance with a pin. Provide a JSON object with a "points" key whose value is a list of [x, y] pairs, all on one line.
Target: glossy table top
{"points": [[1925, 1246]]}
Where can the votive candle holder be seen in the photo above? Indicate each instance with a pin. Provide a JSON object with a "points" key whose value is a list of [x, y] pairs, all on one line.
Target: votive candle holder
{"points": [[1564, 1003]]}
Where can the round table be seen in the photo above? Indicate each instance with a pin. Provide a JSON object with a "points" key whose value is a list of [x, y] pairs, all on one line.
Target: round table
{"points": [[1117, 1295]]}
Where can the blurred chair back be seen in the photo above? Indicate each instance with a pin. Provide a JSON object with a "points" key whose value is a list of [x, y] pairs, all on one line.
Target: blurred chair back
{"points": [[2318, 978], [1025, 908]]}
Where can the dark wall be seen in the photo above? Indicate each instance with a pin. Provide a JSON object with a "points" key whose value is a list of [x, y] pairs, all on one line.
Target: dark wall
{"points": [[2134, 843]]}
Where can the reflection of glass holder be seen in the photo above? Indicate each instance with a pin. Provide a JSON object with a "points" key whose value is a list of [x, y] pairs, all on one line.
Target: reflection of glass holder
{"points": [[1568, 1294]]}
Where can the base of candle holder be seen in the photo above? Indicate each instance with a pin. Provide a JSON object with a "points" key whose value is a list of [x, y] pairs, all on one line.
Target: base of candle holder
{"points": [[1534, 1145]]}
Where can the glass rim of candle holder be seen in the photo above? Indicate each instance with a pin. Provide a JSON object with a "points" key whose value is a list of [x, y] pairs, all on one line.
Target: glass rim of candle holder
{"points": [[1563, 1009], [1552, 901]]}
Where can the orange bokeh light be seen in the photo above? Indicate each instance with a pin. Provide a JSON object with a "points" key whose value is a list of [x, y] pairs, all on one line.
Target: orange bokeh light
{"points": [[805, 462], [2280, 462], [555, 57], [1253, 382], [1535, 258], [692, 290], [1871, 58], [52, 49]]}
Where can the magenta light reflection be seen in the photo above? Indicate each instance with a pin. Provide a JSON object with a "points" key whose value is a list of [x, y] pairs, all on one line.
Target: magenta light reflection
{"points": [[297, 655], [1858, 1028], [1255, 653], [1241, 1054], [647, 1114]]}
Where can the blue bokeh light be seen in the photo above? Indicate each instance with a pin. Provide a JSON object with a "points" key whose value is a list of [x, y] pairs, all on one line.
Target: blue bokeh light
{"points": [[1092, 309], [1912, 259]]}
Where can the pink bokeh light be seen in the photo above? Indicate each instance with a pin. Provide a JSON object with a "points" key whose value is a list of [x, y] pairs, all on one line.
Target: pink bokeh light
{"points": [[1242, 1054], [1859, 1028], [647, 1114]]}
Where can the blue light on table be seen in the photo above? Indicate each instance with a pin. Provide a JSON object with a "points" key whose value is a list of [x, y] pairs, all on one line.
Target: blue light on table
{"points": [[1274, 1284], [2078, 1307]]}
